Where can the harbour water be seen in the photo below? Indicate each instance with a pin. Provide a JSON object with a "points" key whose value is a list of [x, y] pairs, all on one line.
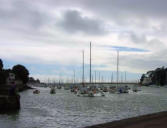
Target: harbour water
{"points": [[66, 110]]}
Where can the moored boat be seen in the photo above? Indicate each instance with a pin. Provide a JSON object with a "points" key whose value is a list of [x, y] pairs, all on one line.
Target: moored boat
{"points": [[36, 91], [52, 90]]}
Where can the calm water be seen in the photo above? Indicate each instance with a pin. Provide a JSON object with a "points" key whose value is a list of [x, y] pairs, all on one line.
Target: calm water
{"points": [[65, 110]]}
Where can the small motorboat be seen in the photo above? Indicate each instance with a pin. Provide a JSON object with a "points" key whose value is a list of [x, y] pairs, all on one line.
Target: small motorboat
{"points": [[85, 93], [113, 89], [66, 87], [90, 94], [135, 88], [102, 94], [105, 89], [59, 87], [52, 91], [36, 91]]}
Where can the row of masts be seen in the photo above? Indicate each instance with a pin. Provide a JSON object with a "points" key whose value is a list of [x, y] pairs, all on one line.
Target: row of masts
{"points": [[90, 63], [97, 77], [90, 77], [83, 71], [100, 79], [117, 67]]}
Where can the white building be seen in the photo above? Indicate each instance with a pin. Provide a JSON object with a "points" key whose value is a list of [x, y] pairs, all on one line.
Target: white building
{"points": [[146, 81]]}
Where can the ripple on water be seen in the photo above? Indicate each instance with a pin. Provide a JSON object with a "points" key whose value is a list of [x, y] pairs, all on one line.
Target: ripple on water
{"points": [[65, 110]]}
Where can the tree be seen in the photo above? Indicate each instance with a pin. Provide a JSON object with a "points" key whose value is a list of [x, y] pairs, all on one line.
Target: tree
{"points": [[158, 76], [2, 78], [142, 78], [2, 75], [1, 65], [38, 81], [21, 73]]}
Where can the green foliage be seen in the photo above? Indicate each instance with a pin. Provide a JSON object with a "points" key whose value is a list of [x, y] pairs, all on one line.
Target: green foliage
{"points": [[142, 78], [21, 73], [158, 76], [32, 80], [2, 73], [1, 65], [38, 81], [2, 78]]}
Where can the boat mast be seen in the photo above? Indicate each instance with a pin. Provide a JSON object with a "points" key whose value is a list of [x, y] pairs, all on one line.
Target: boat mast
{"points": [[83, 72], [112, 77], [95, 76], [117, 67], [99, 77], [90, 65], [125, 76], [74, 77]]}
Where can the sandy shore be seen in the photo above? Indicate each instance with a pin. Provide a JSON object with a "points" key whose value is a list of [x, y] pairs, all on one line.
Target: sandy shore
{"points": [[157, 120]]}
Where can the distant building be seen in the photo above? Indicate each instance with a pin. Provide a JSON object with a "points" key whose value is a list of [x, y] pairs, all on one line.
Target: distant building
{"points": [[146, 81], [11, 78]]}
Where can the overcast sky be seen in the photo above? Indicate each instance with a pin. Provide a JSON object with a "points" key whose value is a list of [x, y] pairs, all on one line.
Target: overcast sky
{"points": [[48, 36]]}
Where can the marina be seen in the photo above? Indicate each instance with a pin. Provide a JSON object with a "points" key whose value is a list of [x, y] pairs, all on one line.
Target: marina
{"points": [[66, 110], [83, 64]]}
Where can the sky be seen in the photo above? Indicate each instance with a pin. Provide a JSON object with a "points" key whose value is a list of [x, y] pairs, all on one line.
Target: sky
{"points": [[48, 37]]}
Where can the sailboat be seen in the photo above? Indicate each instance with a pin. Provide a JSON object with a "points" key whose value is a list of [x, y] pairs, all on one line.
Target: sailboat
{"points": [[59, 85], [118, 89], [136, 88], [115, 89], [88, 91], [52, 90], [94, 91], [83, 91]]}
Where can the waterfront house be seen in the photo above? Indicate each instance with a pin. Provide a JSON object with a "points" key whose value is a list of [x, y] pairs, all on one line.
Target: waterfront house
{"points": [[10, 78], [147, 80]]}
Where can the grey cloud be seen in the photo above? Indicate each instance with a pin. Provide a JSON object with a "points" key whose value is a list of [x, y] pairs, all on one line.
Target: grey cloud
{"points": [[160, 30], [141, 39], [126, 8], [141, 62], [129, 13], [146, 62], [20, 14], [138, 38], [154, 43], [22, 20], [74, 22], [116, 7]]}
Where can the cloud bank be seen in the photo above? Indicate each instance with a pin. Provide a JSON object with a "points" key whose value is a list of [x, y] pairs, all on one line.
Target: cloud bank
{"points": [[55, 32]]}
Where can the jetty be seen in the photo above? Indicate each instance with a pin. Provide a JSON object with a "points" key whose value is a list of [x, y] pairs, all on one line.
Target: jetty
{"points": [[156, 120]]}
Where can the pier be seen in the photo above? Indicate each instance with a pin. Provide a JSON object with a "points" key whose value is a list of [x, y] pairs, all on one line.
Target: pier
{"points": [[156, 120]]}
